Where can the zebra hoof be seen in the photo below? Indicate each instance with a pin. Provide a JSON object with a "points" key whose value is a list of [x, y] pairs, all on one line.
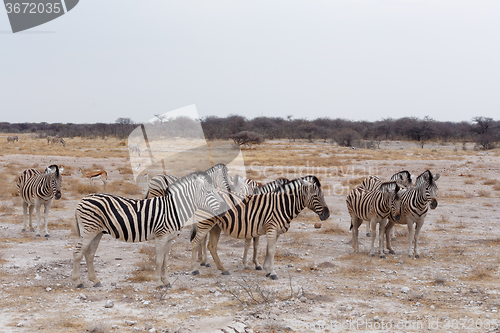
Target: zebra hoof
{"points": [[47, 236], [97, 285], [268, 274], [207, 265], [274, 277], [37, 235], [417, 255], [32, 229], [226, 273], [382, 256], [368, 234], [203, 264], [24, 230], [80, 286], [259, 268], [372, 255], [196, 272], [165, 286], [392, 252]]}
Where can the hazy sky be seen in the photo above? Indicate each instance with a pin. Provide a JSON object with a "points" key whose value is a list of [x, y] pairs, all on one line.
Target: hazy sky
{"points": [[353, 59]]}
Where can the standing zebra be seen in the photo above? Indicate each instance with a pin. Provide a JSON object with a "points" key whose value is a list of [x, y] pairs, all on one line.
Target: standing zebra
{"points": [[403, 178], [134, 220], [215, 231], [415, 205], [375, 206], [36, 189], [244, 185], [267, 214]]}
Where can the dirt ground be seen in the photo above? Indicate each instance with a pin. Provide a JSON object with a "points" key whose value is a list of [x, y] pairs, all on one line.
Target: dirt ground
{"points": [[322, 285]]}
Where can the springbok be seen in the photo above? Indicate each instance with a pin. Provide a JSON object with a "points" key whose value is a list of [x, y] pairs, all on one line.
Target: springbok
{"points": [[97, 174]]}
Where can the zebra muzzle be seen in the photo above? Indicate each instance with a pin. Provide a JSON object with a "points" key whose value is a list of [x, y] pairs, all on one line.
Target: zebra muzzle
{"points": [[325, 214], [396, 217], [434, 203], [57, 196]]}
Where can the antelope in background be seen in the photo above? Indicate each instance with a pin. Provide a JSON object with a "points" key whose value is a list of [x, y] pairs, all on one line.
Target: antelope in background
{"points": [[97, 174]]}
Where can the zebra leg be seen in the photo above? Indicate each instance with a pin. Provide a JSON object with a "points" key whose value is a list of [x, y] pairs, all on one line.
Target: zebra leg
{"points": [[162, 252], [212, 247], [368, 231], [373, 225], [420, 223], [411, 235], [389, 229], [31, 208], [89, 259], [202, 252], [80, 249], [38, 220], [272, 238], [356, 222], [255, 247], [381, 235], [25, 213], [248, 242], [47, 206]]}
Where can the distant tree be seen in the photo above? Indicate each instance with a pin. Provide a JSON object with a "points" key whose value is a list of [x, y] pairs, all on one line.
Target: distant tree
{"points": [[485, 132], [247, 138], [346, 137]]}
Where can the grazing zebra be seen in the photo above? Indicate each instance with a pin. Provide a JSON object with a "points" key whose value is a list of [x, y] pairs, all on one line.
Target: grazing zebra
{"points": [[133, 220], [36, 189], [415, 204], [403, 178], [12, 139], [267, 214], [96, 174], [373, 205]]}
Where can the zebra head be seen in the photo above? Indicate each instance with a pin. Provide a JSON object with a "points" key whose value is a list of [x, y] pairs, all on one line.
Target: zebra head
{"points": [[206, 196], [428, 181], [55, 180], [403, 178], [244, 185], [220, 176], [315, 199], [393, 189]]}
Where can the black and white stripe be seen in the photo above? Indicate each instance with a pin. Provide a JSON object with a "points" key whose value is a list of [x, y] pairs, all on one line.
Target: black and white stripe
{"points": [[267, 214], [415, 204], [134, 220], [375, 206], [36, 189]]}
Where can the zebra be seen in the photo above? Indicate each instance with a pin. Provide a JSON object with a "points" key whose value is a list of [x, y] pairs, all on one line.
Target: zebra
{"points": [[134, 147], [133, 220], [415, 204], [403, 178], [244, 185], [158, 186], [12, 139], [215, 231], [56, 139], [267, 214], [36, 189], [373, 205]]}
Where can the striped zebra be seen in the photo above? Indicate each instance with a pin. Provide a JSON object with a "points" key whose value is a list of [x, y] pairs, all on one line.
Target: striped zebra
{"points": [[415, 204], [36, 189], [373, 205], [159, 184], [267, 214], [403, 178], [244, 185], [215, 231], [132, 220]]}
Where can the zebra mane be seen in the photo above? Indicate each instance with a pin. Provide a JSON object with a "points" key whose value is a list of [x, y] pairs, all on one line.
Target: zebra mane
{"points": [[389, 187], [426, 177], [190, 177], [298, 181]]}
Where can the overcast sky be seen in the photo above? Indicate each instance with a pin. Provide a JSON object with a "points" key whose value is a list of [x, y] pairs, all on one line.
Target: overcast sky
{"points": [[352, 59]]}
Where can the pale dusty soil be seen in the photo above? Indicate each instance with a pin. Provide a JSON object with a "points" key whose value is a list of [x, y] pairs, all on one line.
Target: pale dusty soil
{"points": [[321, 284]]}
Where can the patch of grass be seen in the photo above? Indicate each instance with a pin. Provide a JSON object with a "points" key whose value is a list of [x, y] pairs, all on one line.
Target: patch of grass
{"points": [[490, 182], [482, 272], [333, 228], [484, 194]]}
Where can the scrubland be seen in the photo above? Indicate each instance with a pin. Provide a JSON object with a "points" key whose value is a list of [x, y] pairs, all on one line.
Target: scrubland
{"points": [[322, 287]]}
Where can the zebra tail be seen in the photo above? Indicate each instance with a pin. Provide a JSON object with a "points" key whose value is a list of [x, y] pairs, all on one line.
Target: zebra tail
{"points": [[350, 227], [77, 226], [194, 229]]}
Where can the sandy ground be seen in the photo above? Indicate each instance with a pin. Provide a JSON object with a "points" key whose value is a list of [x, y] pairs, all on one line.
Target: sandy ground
{"points": [[322, 285]]}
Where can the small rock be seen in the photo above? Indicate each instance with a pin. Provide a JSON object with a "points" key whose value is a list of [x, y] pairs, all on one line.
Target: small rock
{"points": [[48, 289], [130, 322], [217, 294], [317, 225], [20, 325], [146, 302], [82, 296], [405, 290], [376, 319], [37, 277], [109, 304], [153, 330], [388, 294]]}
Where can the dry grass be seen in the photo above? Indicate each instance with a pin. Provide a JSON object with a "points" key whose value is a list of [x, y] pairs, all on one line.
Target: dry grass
{"points": [[482, 272], [484, 194], [333, 228], [145, 268], [496, 187], [490, 182]]}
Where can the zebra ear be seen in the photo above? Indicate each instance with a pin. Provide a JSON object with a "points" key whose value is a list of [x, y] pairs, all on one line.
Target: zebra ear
{"points": [[436, 176]]}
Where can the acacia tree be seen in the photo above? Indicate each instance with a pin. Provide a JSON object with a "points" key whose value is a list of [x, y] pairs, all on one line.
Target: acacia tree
{"points": [[246, 138]]}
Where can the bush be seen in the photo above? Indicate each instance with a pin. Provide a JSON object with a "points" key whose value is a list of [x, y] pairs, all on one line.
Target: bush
{"points": [[247, 138]]}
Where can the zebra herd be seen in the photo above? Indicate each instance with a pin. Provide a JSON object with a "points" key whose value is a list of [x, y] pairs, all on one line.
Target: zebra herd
{"points": [[212, 201]]}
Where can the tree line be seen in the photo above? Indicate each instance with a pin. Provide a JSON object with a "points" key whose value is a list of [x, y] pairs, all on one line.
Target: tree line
{"points": [[484, 131]]}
